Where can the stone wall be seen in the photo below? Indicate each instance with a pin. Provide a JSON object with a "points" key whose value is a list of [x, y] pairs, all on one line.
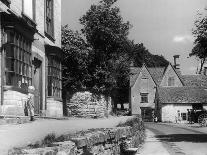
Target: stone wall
{"points": [[112, 141], [85, 104], [14, 103]]}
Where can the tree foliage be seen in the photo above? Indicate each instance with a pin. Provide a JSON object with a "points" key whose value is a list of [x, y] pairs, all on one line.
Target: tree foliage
{"points": [[106, 33], [141, 55], [77, 58], [200, 43]]}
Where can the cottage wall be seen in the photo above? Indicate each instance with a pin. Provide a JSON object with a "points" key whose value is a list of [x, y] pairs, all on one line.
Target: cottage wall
{"points": [[170, 111], [170, 73], [138, 88], [13, 101]]}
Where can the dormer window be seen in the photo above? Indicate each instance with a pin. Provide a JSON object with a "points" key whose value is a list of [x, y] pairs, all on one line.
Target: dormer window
{"points": [[171, 81], [28, 8]]}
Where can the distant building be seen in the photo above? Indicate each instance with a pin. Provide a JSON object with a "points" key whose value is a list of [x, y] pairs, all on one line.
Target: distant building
{"points": [[165, 93], [30, 41]]}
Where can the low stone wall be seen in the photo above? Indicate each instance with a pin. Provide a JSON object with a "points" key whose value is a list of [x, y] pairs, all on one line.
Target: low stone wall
{"points": [[85, 104], [14, 103], [113, 141]]}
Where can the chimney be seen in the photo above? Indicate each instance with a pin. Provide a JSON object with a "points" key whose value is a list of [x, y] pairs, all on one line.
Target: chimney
{"points": [[176, 63]]}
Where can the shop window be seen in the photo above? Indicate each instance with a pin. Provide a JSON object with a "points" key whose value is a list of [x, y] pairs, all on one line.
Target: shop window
{"points": [[171, 81], [28, 8], [18, 67], [54, 78], [49, 25], [144, 97], [184, 116]]}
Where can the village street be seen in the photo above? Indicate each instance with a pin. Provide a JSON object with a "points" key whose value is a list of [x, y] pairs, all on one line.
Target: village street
{"points": [[172, 139]]}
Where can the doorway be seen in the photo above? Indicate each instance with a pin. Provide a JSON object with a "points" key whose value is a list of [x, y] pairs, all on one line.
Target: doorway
{"points": [[37, 83]]}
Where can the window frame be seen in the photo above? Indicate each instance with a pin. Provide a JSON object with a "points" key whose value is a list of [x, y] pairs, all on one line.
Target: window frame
{"points": [[17, 49], [54, 91], [33, 11], [171, 81], [184, 115], [144, 97], [49, 35]]}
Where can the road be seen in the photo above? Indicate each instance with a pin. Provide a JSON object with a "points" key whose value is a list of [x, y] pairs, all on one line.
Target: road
{"points": [[164, 139]]}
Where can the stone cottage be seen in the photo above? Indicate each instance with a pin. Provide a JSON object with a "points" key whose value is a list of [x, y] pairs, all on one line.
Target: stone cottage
{"points": [[164, 93], [30, 41]]}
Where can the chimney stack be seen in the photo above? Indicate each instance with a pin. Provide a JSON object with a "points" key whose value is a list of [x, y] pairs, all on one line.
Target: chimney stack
{"points": [[176, 64]]}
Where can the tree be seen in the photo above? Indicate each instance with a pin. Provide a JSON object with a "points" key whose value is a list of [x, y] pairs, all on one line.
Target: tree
{"points": [[140, 55], [77, 58], [200, 44], [106, 33]]}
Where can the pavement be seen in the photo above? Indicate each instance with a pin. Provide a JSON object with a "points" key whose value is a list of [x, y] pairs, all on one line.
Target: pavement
{"points": [[174, 139], [152, 145], [21, 135]]}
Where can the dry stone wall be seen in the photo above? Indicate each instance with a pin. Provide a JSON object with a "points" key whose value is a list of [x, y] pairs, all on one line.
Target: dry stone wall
{"points": [[85, 104], [111, 141]]}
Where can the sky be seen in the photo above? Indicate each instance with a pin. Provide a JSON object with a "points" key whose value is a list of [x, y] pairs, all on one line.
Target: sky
{"points": [[163, 26]]}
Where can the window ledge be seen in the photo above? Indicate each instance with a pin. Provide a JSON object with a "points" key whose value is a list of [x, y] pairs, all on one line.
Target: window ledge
{"points": [[55, 98], [50, 37]]}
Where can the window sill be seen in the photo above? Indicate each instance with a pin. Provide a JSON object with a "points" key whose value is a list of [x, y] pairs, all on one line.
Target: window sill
{"points": [[55, 98], [21, 90], [50, 37]]}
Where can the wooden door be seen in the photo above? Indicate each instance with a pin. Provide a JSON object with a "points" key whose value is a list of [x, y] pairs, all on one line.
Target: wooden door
{"points": [[37, 83]]}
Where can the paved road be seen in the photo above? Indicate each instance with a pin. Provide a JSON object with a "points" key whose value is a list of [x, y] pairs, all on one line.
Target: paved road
{"points": [[177, 140]]}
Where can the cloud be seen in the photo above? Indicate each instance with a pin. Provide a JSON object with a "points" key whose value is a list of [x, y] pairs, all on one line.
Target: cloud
{"points": [[183, 38]]}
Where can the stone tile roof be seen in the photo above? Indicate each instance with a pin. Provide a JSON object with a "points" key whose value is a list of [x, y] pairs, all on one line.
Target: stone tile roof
{"points": [[182, 95], [134, 73], [194, 80], [157, 74]]}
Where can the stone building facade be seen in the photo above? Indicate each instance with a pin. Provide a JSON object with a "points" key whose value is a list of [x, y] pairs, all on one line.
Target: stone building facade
{"points": [[30, 41], [164, 93]]}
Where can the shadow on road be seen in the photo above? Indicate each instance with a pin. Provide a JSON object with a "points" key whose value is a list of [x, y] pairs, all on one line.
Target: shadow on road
{"points": [[197, 138]]}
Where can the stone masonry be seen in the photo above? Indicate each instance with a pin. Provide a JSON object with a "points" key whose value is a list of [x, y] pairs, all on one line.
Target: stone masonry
{"points": [[85, 104]]}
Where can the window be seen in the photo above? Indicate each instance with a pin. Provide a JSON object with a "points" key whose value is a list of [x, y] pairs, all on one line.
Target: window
{"points": [[144, 85], [49, 18], [18, 67], [184, 116], [171, 81], [144, 97], [54, 78], [28, 8]]}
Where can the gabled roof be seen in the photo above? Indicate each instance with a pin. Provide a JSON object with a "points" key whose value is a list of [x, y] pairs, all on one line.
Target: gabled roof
{"points": [[195, 80], [157, 74], [134, 73], [182, 95]]}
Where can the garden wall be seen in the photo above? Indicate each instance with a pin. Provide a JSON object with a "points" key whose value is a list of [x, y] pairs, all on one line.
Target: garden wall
{"points": [[113, 141], [85, 104]]}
